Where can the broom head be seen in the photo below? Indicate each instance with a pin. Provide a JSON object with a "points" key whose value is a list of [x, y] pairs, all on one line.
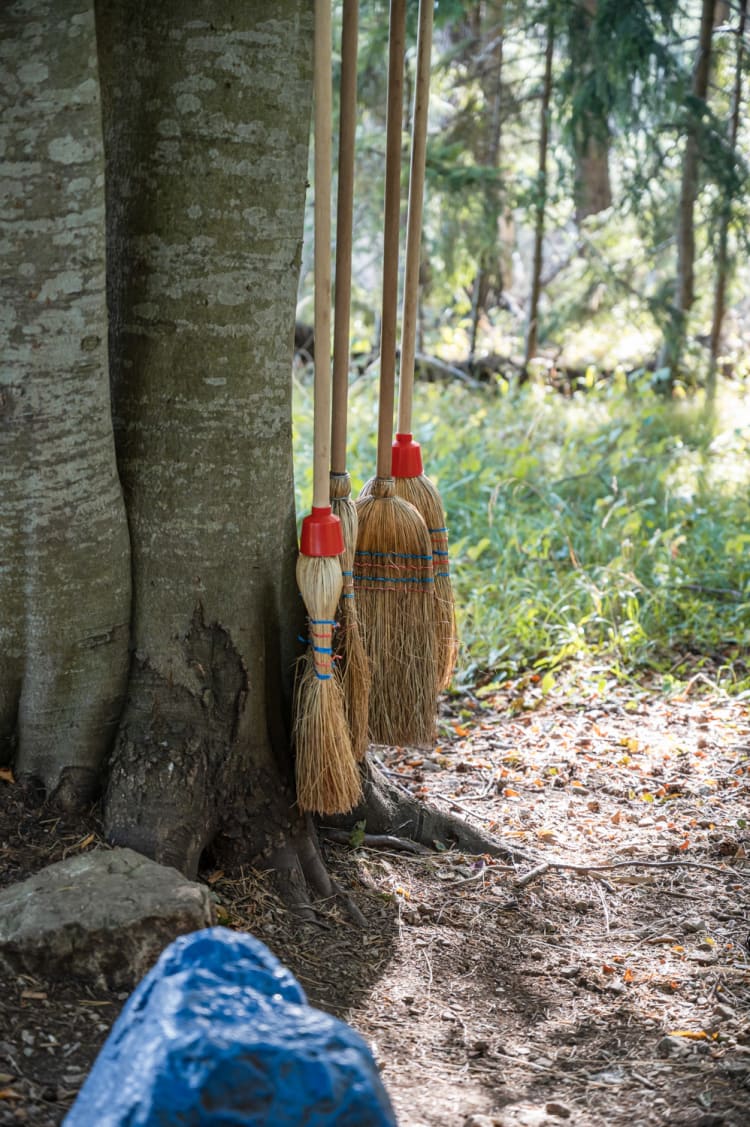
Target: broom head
{"points": [[394, 584], [327, 776], [413, 486]]}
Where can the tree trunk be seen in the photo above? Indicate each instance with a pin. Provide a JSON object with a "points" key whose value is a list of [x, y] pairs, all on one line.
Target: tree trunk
{"points": [[685, 285], [493, 261], [541, 204], [592, 190], [64, 555], [206, 152], [722, 253]]}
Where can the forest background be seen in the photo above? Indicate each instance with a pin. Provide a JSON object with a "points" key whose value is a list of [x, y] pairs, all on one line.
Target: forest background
{"points": [[583, 331]]}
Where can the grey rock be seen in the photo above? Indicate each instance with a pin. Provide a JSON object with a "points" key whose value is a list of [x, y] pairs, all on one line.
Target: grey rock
{"points": [[104, 917], [671, 1046]]}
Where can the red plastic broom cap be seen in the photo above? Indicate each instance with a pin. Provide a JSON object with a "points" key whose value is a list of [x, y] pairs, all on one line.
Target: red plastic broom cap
{"points": [[406, 457], [321, 533]]}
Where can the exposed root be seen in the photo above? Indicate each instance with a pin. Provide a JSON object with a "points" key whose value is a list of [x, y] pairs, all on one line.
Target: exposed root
{"points": [[388, 809]]}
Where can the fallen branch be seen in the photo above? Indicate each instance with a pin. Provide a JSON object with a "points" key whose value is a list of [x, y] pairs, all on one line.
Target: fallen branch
{"points": [[540, 870]]}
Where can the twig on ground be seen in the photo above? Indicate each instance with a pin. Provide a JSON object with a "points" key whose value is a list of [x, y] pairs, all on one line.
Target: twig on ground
{"points": [[540, 870]]}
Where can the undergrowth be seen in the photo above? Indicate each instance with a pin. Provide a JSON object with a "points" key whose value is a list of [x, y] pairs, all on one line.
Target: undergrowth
{"points": [[608, 532]]}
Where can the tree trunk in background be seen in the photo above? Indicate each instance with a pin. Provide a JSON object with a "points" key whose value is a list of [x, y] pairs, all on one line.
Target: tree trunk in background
{"points": [[490, 266], [541, 204], [593, 191], [722, 253], [685, 286], [206, 135], [64, 553]]}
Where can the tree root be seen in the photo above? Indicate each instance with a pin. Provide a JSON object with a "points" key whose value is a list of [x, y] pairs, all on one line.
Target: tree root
{"points": [[388, 809]]}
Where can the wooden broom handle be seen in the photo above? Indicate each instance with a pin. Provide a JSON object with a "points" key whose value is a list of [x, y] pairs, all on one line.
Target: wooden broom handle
{"points": [[322, 218], [396, 48], [344, 222], [414, 218]]}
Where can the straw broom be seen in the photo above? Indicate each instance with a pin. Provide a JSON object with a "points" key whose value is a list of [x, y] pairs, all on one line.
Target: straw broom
{"points": [[411, 483], [393, 572], [351, 658], [327, 776]]}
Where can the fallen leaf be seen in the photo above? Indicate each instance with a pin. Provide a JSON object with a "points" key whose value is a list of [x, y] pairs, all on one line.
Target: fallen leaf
{"points": [[689, 1034], [6, 775], [628, 975]]}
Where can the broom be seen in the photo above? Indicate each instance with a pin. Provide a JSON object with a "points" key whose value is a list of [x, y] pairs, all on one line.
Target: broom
{"points": [[393, 571], [326, 774], [411, 483], [350, 654]]}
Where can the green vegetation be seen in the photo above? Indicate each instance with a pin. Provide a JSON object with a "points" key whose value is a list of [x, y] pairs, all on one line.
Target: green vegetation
{"points": [[602, 535], [585, 250]]}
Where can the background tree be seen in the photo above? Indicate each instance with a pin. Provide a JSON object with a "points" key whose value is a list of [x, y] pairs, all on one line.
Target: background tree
{"points": [[685, 279], [727, 202]]}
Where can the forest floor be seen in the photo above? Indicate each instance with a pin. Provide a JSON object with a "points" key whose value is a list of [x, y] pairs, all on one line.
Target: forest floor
{"points": [[611, 989]]}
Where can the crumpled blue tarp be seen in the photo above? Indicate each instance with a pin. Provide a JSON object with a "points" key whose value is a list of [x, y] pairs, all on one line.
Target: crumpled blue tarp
{"points": [[219, 1034]]}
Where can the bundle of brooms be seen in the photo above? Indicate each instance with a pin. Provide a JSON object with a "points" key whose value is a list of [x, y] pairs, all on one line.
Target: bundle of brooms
{"points": [[351, 660], [327, 776], [393, 564]]}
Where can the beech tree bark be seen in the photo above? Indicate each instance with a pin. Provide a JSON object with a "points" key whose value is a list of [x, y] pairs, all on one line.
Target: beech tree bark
{"points": [[64, 550]]}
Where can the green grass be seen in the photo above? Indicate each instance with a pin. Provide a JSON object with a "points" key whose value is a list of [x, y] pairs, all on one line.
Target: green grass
{"points": [[608, 533]]}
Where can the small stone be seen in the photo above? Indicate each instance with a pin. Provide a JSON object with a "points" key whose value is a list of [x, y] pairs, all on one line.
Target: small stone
{"points": [[569, 972], [670, 1046], [724, 1011], [103, 916], [558, 1109], [693, 924]]}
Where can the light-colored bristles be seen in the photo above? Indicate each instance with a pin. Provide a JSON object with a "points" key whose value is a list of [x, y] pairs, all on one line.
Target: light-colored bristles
{"points": [[328, 779], [351, 659], [327, 776], [394, 585], [423, 494]]}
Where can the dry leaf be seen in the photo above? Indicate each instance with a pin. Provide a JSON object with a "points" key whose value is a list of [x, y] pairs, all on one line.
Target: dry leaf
{"points": [[6, 775]]}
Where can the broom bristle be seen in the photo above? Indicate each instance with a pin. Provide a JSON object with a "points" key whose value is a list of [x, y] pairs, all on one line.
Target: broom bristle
{"points": [[394, 583], [423, 494], [328, 780], [352, 659]]}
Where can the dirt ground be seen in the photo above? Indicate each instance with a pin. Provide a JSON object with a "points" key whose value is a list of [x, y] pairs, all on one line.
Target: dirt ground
{"points": [[598, 992]]}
